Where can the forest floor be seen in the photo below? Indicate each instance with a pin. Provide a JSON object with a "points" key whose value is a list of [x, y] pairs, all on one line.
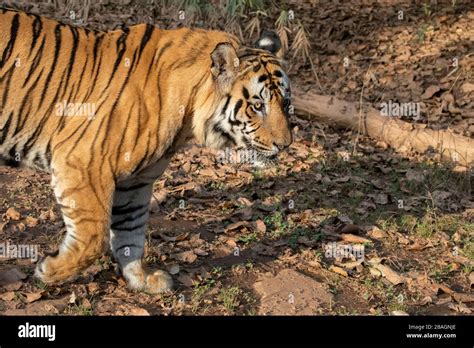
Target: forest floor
{"points": [[337, 227]]}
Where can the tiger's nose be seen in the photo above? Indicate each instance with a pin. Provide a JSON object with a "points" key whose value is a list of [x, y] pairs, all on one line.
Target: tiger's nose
{"points": [[285, 142], [282, 146]]}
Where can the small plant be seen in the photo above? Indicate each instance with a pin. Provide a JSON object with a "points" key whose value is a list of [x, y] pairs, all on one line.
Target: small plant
{"points": [[230, 298], [80, 310], [427, 9], [441, 274], [276, 223], [248, 238]]}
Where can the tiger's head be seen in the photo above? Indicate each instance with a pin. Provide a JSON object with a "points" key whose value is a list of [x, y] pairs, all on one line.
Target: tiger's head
{"points": [[253, 100]]}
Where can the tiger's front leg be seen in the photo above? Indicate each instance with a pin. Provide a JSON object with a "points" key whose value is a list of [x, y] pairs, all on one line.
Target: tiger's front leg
{"points": [[85, 202], [127, 237]]}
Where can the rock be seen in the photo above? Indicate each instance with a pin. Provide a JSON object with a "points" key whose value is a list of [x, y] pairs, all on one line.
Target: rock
{"points": [[292, 293]]}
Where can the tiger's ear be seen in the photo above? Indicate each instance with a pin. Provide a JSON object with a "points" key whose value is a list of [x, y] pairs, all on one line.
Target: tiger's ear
{"points": [[225, 65], [270, 41]]}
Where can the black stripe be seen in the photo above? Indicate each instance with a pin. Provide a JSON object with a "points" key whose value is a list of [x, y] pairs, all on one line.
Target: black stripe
{"points": [[189, 61], [8, 75], [145, 157], [121, 47], [5, 128], [114, 105], [119, 210], [157, 57], [225, 134], [122, 136], [35, 63], [57, 47], [257, 67], [146, 37], [224, 109], [98, 41], [11, 43], [37, 28], [263, 78], [129, 229], [75, 42], [26, 98], [246, 93], [237, 107], [128, 219]]}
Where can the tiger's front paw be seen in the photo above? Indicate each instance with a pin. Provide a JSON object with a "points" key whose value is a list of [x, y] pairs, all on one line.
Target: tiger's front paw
{"points": [[53, 270]]}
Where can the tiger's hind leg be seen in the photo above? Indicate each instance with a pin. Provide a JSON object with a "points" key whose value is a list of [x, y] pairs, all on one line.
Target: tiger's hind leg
{"points": [[127, 238], [85, 207]]}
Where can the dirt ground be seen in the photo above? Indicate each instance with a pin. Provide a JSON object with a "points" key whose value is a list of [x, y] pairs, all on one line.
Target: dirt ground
{"points": [[338, 227]]}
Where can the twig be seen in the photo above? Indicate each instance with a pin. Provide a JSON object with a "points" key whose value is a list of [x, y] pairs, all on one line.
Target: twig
{"points": [[360, 111]]}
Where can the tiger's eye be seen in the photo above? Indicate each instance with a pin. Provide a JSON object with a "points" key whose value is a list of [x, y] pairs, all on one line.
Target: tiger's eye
{"points": [[258, 105]]}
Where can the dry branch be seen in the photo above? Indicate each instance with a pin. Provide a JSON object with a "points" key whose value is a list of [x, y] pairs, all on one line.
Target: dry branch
{"points": [[402, 136]]}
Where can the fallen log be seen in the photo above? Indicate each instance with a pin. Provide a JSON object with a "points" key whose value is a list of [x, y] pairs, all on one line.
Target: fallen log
{"points": [[402, 136]]}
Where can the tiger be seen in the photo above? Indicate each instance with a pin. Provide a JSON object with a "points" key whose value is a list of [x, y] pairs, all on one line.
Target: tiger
{"points": [[152, 91]]}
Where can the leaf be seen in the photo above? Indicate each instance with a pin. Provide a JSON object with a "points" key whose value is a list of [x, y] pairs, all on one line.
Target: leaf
{"points": [[138, 311], [244, 201], [186, 280], [236, 225], [244, 213], [430, 91], [12, 214], [173, 269], [339, 270], [380, 198], [31, 221], [460, 307], [376, 233], [186, 256], [8, 296], [306, 241], [33, 296], [200, 252], [392, 276], [72, 298], [467, 87], [179, 237], [349, 228], [265, 250], [260, 226]]}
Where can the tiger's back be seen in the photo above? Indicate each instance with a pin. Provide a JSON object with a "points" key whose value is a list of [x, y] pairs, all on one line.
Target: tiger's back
{"points": [[104, 78]]}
